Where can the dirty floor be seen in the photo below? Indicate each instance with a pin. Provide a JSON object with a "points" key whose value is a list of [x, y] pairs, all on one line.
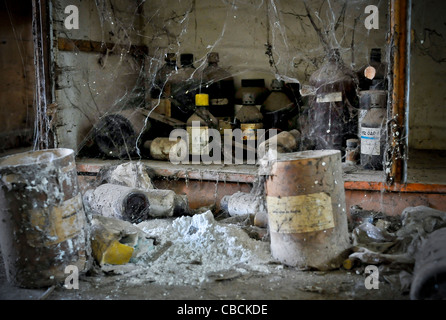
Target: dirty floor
{"points": [[281, 283]]}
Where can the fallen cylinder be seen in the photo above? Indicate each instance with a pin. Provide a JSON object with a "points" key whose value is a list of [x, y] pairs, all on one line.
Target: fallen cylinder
{"points": [[306, 209], [120, 202], [429, 276], [242, 203], [43, 227]]}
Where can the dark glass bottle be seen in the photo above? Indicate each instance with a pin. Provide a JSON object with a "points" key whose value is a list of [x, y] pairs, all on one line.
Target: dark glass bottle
{"points": [[185, 85], [332, 116], [219, 84], [161, 84], [277, 107], [373, 75], [373, 138]]}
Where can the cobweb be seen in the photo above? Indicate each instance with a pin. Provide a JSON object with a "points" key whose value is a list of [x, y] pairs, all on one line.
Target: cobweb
{"points": [[266, 39]]}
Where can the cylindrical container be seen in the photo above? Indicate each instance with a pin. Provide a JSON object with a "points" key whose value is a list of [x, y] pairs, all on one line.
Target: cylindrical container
{"points": [[117, 201], [117, 134], [43, 226], [306, 209], [242, 203], [429, 276], [161, 148]]}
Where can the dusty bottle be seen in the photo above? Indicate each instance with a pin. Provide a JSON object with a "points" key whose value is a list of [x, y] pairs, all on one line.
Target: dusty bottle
{"points": [[249, 117], [254, 86], [332, 115], [277, 107], [185, 85], [198, 126], [219, 84], [352, 151], [373, 75], [367, 99], [161, 84], [373, 138]]}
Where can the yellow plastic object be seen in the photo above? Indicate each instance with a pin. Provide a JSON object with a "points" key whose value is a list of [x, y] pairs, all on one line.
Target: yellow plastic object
{"points": [[202, 99], [347, 264], [117, 253]]}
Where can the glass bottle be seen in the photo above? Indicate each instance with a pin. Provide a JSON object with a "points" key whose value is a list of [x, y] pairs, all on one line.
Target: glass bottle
{"points": [[373, 75], [185, 85], [161, 84], [198, 126], [219, 84], [277, 106], [332, 115]]}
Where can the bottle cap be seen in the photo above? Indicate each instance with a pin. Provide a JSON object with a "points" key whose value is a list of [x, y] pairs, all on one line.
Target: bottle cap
{"points": [[202, 99], [170, 57]]}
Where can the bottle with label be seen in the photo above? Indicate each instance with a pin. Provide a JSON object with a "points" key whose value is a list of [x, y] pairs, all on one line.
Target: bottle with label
{"points": [[219, 84], [161, 88], [332, 113], [367, 99], [373, 138], [185, 85], [277, 107], [198, 126], [249, 118]]}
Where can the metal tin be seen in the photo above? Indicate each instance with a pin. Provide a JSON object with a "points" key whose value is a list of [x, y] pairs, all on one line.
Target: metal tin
{"points": [[306, 209], [43, 226]]}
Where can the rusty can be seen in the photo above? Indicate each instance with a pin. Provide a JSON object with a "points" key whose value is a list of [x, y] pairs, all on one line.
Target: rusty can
{"points": [[43, 226], [307, 216]]}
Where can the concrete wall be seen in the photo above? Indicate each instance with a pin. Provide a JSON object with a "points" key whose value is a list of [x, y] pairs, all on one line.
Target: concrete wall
{"points": [[239, 30], [89, 85], [427, 111]]}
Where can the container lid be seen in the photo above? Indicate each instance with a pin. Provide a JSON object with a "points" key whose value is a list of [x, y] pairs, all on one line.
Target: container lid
{"points": [[170, 57], [276, 84], [202, 99]]}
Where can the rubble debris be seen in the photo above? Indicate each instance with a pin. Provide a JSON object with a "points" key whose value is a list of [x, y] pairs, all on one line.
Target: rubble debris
{"points": [[130, 174], [399, 249], [429, 277], [200, 245]]}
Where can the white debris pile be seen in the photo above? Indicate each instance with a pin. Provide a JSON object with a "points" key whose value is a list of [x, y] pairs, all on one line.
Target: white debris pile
{"points": [[198, 246]]}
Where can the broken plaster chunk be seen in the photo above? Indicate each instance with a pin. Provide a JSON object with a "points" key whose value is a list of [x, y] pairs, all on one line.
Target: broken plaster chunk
{"points": [[116, 242]]}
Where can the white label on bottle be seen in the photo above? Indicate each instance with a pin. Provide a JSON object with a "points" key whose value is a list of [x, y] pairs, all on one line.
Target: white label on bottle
{"points": [[329, 97], [370, 141], [198, 140]]}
